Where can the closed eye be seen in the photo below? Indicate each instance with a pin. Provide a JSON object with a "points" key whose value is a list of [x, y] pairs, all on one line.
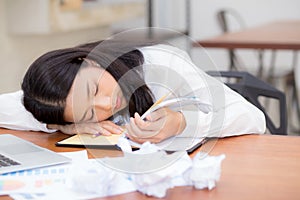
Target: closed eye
{"points": [[92, 114], [92, 109], [96, 91]]}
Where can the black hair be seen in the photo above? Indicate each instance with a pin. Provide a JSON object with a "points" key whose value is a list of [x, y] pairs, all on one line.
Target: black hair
{"points": [[48, 80]]}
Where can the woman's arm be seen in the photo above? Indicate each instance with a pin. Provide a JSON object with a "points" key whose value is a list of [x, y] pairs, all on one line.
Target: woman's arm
{"points": [[231, 114], [13, 114], [94, 128]]}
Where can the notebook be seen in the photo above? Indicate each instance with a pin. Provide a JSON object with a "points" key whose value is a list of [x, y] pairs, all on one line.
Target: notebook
{"points": [[17, 154], [86, 140], [110, 142]]}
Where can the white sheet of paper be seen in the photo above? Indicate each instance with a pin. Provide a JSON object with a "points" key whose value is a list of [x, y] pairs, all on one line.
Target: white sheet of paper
{"points": [[39, 179], [91, 178]]}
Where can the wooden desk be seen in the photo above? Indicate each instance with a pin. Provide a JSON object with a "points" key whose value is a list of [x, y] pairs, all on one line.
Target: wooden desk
{"points": [[256, 167], [275, 35]]}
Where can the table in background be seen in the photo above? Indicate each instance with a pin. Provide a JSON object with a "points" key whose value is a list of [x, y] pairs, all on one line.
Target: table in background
{"points": [[255, 167], [284, 35], [281, 35]]}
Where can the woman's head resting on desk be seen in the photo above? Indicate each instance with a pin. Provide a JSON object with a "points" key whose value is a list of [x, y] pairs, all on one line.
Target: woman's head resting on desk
{"points": [[86, 83]]}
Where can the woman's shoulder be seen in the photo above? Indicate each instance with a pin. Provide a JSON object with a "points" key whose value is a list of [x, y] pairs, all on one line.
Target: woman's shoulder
{"points": [[161, 46], [12, 95], [163, 52], [11, 100]]}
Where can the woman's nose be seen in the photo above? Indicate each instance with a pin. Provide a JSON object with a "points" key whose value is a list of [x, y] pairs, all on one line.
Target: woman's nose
{"points": [[102, 103]]}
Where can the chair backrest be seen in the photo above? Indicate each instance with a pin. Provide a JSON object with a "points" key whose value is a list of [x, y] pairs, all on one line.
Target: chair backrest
{"points": [[231, 20], [252, 88]]}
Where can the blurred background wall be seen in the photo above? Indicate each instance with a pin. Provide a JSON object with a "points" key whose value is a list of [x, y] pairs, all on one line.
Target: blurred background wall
{"points": [[19, 47], [29, 28]]}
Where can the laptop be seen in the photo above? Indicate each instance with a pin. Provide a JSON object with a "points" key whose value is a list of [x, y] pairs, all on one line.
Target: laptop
{"points": [[18, 154]]}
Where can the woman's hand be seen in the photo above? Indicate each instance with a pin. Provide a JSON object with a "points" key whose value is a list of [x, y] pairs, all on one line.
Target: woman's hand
{"points": [[159, 125], [93, 128]]}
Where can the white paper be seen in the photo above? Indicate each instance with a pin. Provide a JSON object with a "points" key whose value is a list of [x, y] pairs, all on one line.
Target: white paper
{"points": [[154, 171], [148, 170], [39, 179]]}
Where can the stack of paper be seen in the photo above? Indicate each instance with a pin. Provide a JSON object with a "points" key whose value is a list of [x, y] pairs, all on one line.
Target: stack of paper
{"points": [[148, 170]]}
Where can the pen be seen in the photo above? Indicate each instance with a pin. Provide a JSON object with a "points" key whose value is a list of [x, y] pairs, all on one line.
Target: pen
{"points": [[156, 103]]}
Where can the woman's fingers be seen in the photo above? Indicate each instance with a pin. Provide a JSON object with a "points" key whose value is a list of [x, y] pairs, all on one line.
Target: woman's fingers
{"points": [[134, 130], [104, 128], [141, 140], [143, 125], [138, 140], [162, 124], [140, 130], [154, 126], [156, 115], [111, 127], [92, 129]]}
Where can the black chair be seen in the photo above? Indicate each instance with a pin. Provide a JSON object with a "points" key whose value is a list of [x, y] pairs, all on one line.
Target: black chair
{"points": [[230, 20], [252, 88]]}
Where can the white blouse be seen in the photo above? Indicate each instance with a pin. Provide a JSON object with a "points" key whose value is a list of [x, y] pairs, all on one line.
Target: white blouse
{"points": [[13, 114], [168, 69]]}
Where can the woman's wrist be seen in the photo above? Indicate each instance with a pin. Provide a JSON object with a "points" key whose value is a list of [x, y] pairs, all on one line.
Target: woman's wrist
{"points": [[67, 129], [52, 127]]}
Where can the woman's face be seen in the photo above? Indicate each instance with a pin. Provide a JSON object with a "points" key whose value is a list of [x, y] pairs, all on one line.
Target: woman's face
{"points": [[94, 96]]}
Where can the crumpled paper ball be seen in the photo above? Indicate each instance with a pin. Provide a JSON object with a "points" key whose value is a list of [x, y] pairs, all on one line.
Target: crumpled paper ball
{"points": [[158, 182], [205, 172], [148, 170], [153, 185], [90, 177]]}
